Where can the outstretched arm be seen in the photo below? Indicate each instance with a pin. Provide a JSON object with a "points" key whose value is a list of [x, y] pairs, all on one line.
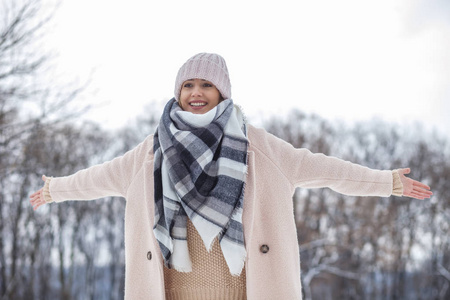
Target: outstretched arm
{"points": [[413, 188], [111, 178], [315, 170], [37, 198]]}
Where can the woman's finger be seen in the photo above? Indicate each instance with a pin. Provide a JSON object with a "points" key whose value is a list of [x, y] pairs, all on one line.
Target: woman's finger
{"points": [[425, 193], [420, 184], [415, 195], [418, 194], [423, 190], [34, 199], [404, 171], [35, 193], [38, 204]]}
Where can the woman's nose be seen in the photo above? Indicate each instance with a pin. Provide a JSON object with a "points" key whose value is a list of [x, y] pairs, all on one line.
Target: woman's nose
{"points": [[196, 91]]}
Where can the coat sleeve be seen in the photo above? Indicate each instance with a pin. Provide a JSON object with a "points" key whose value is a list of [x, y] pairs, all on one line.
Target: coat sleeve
{"points": [[111, 178], [315, 170]]}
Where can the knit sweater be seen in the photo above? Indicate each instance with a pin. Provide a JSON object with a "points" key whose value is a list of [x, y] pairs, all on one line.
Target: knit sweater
{"points": [[210, 277]]}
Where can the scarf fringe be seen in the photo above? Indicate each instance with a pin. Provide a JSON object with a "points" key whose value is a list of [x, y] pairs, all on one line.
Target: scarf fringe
{"points": [[180, 260], [234, 256], [207, 231]]}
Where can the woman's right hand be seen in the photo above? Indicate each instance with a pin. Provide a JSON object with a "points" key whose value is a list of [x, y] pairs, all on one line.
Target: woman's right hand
{"points": [[413, 188], [37, 198]]}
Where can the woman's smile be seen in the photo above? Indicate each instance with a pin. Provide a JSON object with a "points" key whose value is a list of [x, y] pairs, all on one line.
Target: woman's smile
{"points": [[199, 96]]}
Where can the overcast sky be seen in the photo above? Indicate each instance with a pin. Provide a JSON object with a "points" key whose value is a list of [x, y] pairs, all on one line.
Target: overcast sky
{"points": [[348, 59]]}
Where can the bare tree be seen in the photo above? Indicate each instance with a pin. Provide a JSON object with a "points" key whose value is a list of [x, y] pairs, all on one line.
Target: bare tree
{"points": [[27, 107]]}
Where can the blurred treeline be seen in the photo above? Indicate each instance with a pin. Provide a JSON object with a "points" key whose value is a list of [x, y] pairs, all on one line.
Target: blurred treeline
{"points": [[351, 247], [372, 247]]}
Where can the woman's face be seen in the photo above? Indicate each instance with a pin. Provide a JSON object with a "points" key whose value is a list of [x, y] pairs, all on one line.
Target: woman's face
{"points": [[199, 96]]}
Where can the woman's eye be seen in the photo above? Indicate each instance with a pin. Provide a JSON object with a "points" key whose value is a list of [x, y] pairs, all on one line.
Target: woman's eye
{"points": [[207, 85], [187, 85]]}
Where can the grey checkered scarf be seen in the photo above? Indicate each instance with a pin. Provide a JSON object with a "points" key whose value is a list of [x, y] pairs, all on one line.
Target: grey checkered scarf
{"points": [[200, 170]]}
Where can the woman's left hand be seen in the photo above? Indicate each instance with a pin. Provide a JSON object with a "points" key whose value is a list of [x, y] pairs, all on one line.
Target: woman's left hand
{"points": [[413, 188]]}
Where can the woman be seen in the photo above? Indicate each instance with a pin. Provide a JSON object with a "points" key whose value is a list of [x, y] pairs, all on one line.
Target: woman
{"points": [[207, 175]]}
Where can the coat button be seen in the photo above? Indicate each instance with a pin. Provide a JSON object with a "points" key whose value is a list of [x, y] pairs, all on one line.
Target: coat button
{"points": [[264, 249], [149, 255]]}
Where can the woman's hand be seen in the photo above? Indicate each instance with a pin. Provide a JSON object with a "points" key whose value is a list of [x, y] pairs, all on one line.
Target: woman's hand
{"points": [[37, 198], [413, 188]]}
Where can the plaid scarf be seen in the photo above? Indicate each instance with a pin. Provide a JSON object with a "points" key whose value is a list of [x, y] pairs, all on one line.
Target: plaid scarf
{"points": [[200, 170]]}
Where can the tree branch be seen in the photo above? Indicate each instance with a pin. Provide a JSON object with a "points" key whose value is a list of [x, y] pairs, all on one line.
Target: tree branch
{"points": [[444, 272]]}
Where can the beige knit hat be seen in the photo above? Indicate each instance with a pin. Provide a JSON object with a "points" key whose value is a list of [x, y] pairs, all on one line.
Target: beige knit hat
{"points": [[207, 66]]}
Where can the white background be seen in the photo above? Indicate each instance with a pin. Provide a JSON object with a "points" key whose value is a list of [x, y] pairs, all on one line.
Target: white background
{"points": [[348, 59]]}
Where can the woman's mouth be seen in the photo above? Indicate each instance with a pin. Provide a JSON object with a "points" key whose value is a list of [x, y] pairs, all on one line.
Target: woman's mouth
{"points": [[197, 104]]}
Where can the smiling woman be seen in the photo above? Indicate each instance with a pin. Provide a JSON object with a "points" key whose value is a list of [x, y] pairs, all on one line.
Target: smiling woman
{"points": [[199, 96], [202, 82], [209, 197]]}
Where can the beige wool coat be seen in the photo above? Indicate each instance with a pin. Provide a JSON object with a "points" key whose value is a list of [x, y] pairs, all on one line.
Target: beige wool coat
{"points": [[275, 169]]}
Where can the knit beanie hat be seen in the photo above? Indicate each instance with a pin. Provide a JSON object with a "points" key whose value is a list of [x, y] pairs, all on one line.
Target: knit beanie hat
{"points": [[207, 66]]}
